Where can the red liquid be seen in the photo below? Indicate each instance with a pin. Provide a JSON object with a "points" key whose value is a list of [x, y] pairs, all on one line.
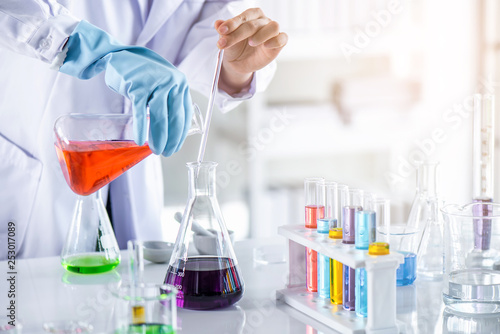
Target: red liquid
{"points": [[311, 270], [205, 283], [90, 165], [313, 213]]}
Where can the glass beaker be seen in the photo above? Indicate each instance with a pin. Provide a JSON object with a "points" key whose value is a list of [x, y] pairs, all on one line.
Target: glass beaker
{"points": [[471, 281], [145, 309], [403, 239], [459, 323], [93, 150], [211, 280]]}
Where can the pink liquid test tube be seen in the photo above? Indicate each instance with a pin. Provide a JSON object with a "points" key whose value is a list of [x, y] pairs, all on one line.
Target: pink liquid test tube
{"points": [[314, 210]]}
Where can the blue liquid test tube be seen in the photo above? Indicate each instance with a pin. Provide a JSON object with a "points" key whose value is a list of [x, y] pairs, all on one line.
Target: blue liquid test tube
{"points": [[364, 236], [375, 248], [361, 293], [323, 260], [365, 229]]}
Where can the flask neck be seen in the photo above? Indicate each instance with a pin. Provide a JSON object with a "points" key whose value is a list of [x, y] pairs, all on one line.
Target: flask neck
{"points": [[427, 179], [201, 178]]}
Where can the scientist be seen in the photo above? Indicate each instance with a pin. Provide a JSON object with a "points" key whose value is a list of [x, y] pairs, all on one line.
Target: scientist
{"points": [[110, 43]]}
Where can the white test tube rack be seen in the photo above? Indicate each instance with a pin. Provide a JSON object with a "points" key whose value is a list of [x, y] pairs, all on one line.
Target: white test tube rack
{"points": [[381, 283]]}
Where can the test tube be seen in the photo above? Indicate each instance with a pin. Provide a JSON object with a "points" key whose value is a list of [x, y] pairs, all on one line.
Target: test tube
{"points": [[349, 293], [324, 225], [342, 199], [315, 200], [365, 235], [336, 270], [375, 248], [136, 273], [314, 210], [349, 223], [382, 208], [323, 262], [356, 197], [355, 202], [483, 167], [368, 200], [365, 229]]}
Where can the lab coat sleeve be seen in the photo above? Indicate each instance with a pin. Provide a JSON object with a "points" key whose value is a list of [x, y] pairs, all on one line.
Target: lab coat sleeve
{"points": [[199, 55], [35, 28]]}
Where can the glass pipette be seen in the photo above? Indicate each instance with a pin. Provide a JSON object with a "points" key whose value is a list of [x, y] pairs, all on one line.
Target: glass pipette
{"points": [[210, 107], [483, 151], [483, 160]]}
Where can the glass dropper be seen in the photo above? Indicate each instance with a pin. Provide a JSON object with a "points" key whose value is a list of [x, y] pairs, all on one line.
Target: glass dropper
{"points": [[482, 168], [483, 150], [210, 107]]}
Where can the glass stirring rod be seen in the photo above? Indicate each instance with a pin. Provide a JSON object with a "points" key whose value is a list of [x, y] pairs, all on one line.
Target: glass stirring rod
{"points": [[211, 101]]}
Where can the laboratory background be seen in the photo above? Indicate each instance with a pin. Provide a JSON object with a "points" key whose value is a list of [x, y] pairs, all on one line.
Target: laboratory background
{"points": [[358, 97]]}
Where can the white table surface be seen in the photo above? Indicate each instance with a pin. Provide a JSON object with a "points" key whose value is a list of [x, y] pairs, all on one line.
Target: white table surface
{"points": [[46, 292]]}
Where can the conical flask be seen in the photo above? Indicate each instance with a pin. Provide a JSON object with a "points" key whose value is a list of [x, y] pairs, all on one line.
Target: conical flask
{"points": [[210, 279], [93, 150], [430, 249], [424, 218]]}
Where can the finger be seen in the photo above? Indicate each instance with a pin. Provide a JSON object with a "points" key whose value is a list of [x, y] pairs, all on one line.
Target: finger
{"points": [[158, 122], [270, 30], [246, 30], [277, 42], [218, 23], [188, 109], [232, 24], [176, 122], [140, 122]]}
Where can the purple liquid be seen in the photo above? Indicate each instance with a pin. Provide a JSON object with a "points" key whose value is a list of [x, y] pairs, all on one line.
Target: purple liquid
{"points": [[205, 283], [482, 226], [349, 296]]}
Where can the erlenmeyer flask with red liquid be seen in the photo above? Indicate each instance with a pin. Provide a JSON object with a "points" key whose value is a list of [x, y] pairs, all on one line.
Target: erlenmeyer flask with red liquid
{"points": [[210, 278], [93, 150]]}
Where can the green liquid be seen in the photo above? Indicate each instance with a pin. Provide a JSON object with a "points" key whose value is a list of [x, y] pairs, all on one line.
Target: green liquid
{"points": [[89, 264], [148, 329]]}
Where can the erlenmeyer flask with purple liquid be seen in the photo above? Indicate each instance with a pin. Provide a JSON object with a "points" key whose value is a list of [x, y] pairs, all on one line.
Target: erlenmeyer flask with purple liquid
{"points": [[210, 279]]}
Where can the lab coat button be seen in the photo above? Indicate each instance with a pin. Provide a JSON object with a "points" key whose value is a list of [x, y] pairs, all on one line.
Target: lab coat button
{"points": [[45, 43]]}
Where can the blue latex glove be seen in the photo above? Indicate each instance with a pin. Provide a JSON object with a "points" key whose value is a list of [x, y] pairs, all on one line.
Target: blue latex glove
{"points": [[140, 74]]}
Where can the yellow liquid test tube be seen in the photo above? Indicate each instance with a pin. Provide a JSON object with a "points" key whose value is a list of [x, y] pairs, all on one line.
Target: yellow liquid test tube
{"points": [[138, 315], [336, 272]]}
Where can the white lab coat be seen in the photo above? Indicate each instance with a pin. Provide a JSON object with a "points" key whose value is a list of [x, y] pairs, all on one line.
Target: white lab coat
{"points": [[33, 192]]}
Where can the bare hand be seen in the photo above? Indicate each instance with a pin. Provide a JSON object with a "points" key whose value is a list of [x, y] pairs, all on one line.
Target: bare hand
{"points": [[250, 42]]}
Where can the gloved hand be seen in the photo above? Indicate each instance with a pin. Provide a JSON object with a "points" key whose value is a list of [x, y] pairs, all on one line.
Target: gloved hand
{"points": [[140, 74]]}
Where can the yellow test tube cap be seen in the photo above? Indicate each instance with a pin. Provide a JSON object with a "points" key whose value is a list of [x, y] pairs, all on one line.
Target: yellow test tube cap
{"points": [[378, 248], [335, 233]]}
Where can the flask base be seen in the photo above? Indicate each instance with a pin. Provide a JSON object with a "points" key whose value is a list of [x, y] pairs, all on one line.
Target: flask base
{"points": [[89, 263], [205, 283]]}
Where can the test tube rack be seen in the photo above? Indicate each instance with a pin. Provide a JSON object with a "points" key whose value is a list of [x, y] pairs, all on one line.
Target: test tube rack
{"points": [[381, 283]]}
